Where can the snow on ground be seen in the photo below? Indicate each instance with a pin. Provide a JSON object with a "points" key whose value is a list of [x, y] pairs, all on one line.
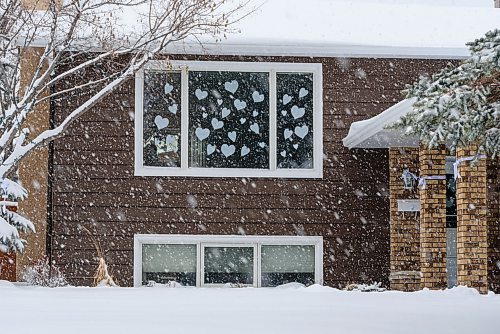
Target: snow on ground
{"points": [[203, 310]]}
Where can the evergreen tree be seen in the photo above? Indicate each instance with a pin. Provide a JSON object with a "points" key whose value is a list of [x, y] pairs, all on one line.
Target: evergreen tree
{"points": [[11, 222], [460, 105]]}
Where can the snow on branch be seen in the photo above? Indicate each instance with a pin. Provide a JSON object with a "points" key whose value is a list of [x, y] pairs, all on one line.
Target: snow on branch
{"points": [[460, 105], [43, 50]]}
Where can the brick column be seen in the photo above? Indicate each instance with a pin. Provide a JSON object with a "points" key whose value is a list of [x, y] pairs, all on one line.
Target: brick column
{"points": [[472, 238], [433, 219], [404, 226]]}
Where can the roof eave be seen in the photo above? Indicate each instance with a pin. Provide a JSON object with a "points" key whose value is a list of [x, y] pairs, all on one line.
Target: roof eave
{"points": [[372, 133]]}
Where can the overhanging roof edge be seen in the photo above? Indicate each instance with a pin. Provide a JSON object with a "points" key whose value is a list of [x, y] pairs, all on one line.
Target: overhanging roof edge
{"points": [[361, 131]]}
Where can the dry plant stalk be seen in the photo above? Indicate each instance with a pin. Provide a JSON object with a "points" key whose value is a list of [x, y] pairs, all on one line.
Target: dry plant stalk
{"points": [[101, 276]]}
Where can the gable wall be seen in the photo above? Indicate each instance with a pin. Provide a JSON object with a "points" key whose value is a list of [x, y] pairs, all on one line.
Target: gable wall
{"points": [[93, 183]]}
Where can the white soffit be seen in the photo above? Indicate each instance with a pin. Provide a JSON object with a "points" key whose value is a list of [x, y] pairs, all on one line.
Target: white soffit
{"points": [[371, 133]]}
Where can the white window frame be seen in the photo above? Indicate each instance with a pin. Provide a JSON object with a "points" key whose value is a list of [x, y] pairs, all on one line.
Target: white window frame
{"points": [[184, 67], [201, 241]]}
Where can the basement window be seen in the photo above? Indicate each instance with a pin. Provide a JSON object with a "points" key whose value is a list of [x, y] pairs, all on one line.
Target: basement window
{"points": [[229, 119], [215, 260]]}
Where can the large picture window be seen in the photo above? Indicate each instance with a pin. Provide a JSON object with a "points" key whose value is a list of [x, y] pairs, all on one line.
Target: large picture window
{"points": [[217, 260], [229, 119]]}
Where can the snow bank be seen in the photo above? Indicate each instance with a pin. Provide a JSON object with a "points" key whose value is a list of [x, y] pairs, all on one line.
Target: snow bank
{"points": [[314, 309]]}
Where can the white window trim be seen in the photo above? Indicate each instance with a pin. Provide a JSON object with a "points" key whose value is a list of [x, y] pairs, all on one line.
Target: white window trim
{"points": [[229, 241], [272, 68]]}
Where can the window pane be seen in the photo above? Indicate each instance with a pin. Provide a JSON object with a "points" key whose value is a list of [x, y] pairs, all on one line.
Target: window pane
{"points": [[162, 119], [229, 120], [164, 263], [295, 120], [285, 264], [451, 201], [228, 265]]}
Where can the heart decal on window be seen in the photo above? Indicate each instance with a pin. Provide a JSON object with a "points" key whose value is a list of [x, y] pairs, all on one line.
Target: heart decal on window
{"points": [[216, 124], [231, 86], [202, 133], [200, 94], [302, 131], [225, 112], [210, 149], [297, 112], [244, 151], [168, 88], [161, 122], [286, 99], [227, 150], [240, 104], [257, 97], [255, 128]]}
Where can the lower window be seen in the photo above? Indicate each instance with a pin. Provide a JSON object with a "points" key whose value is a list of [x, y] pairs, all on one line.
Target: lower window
{"points": [[196, 260]]}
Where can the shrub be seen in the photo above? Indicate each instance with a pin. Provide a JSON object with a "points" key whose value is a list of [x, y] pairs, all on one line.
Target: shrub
{"points": [[41, 273]]}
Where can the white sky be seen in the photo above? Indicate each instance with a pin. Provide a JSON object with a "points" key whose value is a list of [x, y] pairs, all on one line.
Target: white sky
{"points": [[461, 3]]}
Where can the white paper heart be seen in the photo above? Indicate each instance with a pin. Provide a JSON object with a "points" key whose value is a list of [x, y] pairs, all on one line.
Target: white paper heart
{"points": [[173, 109], [202, 133], [302, 131], [204, 115], [168, 88], [284, 112], [255, 113], [219, 101], [227, 150], [161, 122], [286, 99], [283, 154], [200, 94], [255, 128], [232, 135], [287, 133], [297, 112], [210, 149], [295, 146], [262, 144], [257, 97], [240, 104], [303, 92], [172, 143], [216, 124], [170, 139], [244, 151], [231, 86], [243, 120], [225, 112]]}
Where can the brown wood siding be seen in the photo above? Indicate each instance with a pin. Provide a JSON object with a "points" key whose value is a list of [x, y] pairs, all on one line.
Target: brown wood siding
{"points": [[94, 186]]}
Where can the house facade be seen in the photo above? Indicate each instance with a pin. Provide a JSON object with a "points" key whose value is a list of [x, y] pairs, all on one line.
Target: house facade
{"points": [[214, 169]]}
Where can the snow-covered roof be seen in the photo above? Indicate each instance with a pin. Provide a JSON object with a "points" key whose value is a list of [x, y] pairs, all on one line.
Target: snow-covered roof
{"points": [[357, 28], [371, 133], [340, 28]]}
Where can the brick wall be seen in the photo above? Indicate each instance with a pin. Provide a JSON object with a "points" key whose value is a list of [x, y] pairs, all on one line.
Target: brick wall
{"points": [[404, 226]]}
